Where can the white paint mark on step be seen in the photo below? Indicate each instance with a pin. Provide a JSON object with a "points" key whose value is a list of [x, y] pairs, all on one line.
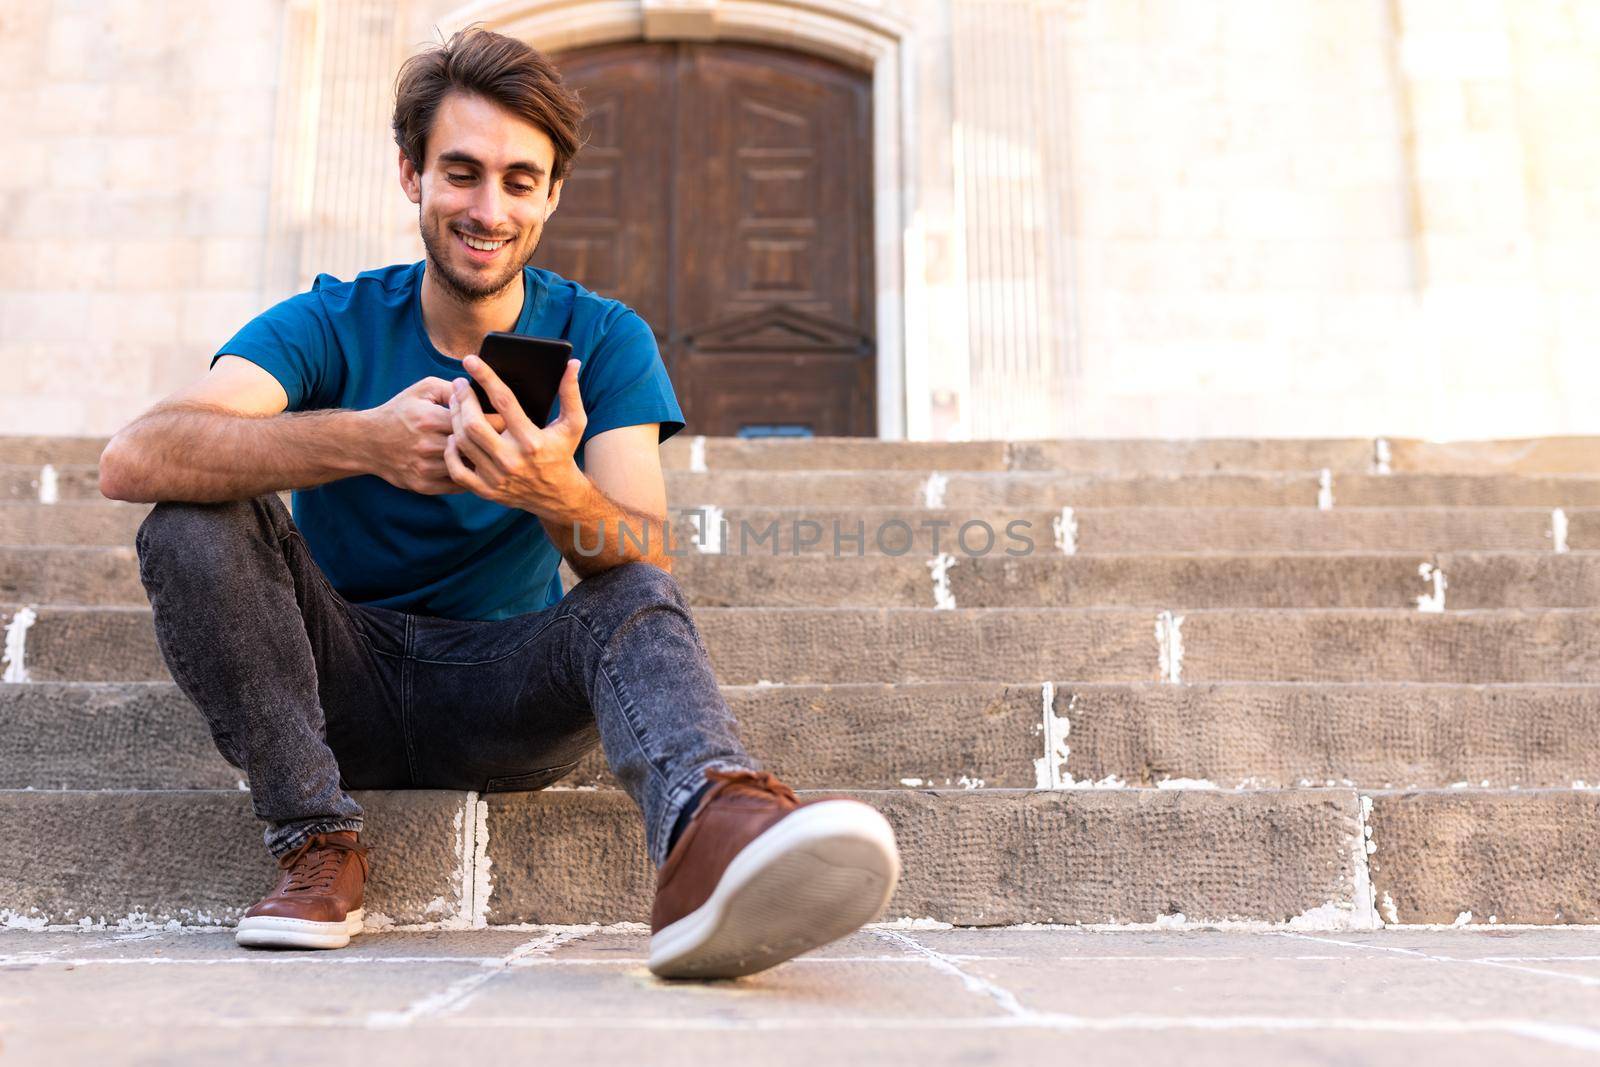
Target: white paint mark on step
{"points": [[707, 536], [15, 658], [1185, 783], [1050, 769], [1169, 639], [933, 490], [697, 453], [1066, 530], [940, 565], [1558, 530], [1365, 916], [1381, 456], [1325, 490], [1432, 602], [482, 885], [49, 485]]}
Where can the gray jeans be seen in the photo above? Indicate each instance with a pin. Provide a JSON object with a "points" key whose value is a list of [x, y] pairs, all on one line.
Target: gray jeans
{"points": [[311, 695]]}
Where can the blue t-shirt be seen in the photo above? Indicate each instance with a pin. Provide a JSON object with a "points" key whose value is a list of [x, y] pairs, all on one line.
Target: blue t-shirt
{"points": [[355, 345]]}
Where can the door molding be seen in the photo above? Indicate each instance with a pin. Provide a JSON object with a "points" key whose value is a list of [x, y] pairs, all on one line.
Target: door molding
{"points": [[856, 36]]}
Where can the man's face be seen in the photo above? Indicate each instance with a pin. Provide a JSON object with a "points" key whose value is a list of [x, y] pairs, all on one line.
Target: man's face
{"points": [[486, 179]]}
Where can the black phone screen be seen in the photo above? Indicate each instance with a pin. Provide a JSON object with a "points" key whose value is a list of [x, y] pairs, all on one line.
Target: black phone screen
{"points": [[531, 367]]}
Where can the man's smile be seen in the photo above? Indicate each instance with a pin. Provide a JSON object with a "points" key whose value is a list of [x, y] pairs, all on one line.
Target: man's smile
{"points": [[479, 250]]}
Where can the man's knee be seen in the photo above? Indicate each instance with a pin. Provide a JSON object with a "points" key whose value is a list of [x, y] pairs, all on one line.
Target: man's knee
{"points": [[196, 529], [633, 586]]}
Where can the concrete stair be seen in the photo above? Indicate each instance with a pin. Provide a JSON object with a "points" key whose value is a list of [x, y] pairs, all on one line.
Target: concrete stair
{"points": [[1330, 684]]}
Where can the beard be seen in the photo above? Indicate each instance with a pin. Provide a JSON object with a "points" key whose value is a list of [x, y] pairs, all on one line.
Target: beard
{"points": [[468, 288]]}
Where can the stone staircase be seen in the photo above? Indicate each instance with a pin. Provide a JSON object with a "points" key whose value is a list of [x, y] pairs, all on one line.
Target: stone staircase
{"points": [[1330, 684]]}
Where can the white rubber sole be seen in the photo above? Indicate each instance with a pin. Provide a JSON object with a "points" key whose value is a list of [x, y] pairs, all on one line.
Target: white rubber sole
{"points": [[276, 931], [819, 874]]}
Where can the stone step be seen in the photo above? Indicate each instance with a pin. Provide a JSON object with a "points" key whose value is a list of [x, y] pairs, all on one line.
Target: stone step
{"points": [[919, 531], [973, 858], [142, 735], [1054, 489], [1103, 530], [1464, 855], [37, 451], [984, 857], [857, 453], [108, 575], [1551, 455], [1024, 489], [1026, 645]]}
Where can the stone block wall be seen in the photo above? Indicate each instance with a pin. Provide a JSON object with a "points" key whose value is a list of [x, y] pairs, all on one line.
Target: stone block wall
{"points": [[1121, 217]]}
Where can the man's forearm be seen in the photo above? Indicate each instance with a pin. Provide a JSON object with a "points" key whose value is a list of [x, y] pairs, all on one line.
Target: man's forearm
{"points": [[594, 523], [196, 453]]}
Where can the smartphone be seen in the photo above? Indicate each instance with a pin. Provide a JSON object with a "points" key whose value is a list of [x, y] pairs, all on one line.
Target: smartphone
{"points": [[531, 367]]}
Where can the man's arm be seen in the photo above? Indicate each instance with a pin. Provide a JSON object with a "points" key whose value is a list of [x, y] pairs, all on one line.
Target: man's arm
{"points": [[622, 486], [227, 437]]}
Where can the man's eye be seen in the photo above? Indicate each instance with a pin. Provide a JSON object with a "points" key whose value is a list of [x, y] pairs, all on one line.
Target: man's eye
{"points": [[523, 188], [460, 177]]}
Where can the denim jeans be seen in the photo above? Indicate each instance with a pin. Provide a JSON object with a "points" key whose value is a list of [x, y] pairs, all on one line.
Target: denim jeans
{"points": [[312, 696]]}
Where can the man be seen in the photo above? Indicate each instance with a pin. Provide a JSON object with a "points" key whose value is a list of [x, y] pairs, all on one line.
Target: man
{"points": [[407, 627]]}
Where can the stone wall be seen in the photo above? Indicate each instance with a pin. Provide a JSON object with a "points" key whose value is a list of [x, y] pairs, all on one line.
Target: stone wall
{"points": [[1118, 217]]}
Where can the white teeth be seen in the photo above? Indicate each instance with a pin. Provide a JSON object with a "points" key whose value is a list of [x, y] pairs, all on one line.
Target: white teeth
{"points": [[482, 246]]}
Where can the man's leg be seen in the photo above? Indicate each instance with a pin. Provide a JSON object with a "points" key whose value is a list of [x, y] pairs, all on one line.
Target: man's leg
{"points": [[514, 703], [757, 877], [254, 635]]}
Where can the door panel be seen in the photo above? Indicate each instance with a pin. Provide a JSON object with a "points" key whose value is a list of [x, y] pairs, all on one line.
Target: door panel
{"points": [[725, 194], [610, 231]]}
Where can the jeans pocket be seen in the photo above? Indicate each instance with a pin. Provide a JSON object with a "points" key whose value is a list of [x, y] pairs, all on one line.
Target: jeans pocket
{"points": [[517, 783]]}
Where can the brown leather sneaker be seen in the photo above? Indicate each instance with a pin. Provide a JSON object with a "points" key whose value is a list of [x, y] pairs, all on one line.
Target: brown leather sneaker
{"points": [[757, 878], [317, 901]]}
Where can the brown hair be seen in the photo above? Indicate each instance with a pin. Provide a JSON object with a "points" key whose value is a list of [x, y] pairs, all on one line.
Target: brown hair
{"points": [[513, 74]]}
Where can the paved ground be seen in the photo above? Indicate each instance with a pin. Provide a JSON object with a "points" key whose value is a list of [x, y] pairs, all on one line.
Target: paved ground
{"points": [[887, 994]]}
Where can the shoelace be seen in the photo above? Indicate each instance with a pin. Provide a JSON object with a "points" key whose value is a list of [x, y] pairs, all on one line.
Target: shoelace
{"points": [[748, 783], [315, 864]]}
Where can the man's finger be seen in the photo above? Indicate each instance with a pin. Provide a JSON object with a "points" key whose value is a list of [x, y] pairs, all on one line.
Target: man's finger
{"points": [[434, 389], [438, 420], [460, 474], [474, 454], [477, 439], [571, 398]]}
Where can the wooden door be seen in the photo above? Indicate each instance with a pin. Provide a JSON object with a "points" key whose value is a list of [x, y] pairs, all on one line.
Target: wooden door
{"points": [[724, 192]]}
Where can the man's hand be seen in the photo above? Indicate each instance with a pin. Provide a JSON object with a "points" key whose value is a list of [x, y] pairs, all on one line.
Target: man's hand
{"points": [[516, 463], [408, 438]]}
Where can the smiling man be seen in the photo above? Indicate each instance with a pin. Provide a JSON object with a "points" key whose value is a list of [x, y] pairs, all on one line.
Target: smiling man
{"points": [[406, 627]]}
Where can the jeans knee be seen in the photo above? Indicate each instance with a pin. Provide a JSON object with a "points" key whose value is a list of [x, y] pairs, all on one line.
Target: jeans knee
{"points": [[181, 523], [629, 588], [195, 534], [648, 583]]}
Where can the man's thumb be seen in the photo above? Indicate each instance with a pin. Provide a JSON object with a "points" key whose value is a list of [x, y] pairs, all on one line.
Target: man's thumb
{"points": [[435, 389], [571, 399]]}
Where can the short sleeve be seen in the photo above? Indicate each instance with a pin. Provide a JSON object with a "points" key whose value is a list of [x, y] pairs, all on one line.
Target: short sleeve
{"points": [[625, 381], [294, 342]]}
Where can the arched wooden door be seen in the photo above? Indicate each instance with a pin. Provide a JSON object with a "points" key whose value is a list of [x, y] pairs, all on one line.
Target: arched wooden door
{"points": [[725, 193]]}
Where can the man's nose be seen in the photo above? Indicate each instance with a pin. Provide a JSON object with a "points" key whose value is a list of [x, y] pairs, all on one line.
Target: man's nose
{"points": [[488, 211]]}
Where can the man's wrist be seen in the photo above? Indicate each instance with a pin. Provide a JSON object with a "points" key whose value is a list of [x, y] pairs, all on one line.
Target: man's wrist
{"points": [[360, 452], [572, 495]]}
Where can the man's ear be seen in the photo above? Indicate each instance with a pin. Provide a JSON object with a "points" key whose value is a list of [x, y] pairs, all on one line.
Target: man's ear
{"points": [[410, 180], [554, 199]]}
